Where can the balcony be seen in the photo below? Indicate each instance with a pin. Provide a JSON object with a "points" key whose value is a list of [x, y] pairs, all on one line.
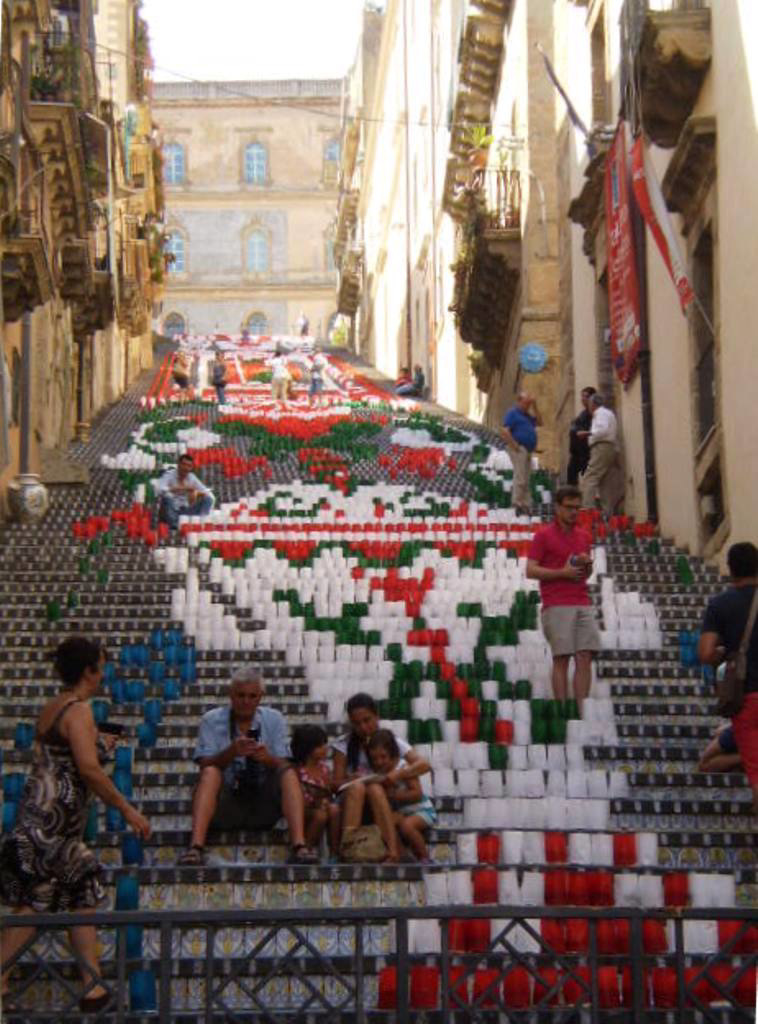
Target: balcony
{"points": [[134, 285], [692, 169], [488, 268], [347, 215], [350, 281], [669, 49], [27, 277]]}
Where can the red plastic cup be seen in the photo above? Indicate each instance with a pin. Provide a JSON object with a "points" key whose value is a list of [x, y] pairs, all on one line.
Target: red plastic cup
{"points": [[478, 934], [485, 885], [577, 935], [701, 989], [503, 731], [624, 849], [577, 891], [483, 979], [745, 990], [654, 939], [425, 987], [469, 730], [388, 988], [456, 935], [665, 988], [517, 989], [553, 934], [556, 848], [488, 848], [470, 707], [547, 977], [459, 987], [573, 992], [606, 938], [621, 936], [608, 993], [459, 689], [599, 888], [720, 973], [555, 888], [676, 890]]}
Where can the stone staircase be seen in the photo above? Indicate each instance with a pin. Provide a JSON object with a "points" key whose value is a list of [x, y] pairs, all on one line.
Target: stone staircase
{"points": [[52, 584]]}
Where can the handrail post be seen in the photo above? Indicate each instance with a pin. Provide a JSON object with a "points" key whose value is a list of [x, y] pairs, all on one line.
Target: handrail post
{"points": [[403, 970], [638, 974]]}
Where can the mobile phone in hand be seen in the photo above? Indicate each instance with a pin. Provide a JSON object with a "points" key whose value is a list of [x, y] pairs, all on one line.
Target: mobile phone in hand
{"points": [[111, 728]]}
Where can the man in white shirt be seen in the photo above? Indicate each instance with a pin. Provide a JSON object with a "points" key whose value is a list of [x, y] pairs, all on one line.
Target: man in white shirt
{"points": [[280, 377], [181, 493], [603, 442]]}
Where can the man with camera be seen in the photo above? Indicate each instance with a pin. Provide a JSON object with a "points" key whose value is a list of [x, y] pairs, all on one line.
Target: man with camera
{"points": [[246, 779]]}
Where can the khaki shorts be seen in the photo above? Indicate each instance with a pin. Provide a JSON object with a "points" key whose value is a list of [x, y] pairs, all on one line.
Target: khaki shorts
{"points": [[250, 810], [570, 628]]}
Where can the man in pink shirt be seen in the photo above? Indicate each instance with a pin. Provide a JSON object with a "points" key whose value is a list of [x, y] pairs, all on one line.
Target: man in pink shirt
{"points": [[559, 557]]}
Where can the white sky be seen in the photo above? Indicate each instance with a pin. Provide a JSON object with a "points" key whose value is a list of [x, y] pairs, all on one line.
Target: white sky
{"points": [[252, 39]]}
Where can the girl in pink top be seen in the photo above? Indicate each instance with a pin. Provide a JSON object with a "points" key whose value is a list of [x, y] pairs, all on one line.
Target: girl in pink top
{"points": [[310, 750]]}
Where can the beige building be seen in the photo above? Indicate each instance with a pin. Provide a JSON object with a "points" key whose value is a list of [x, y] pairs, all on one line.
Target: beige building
{"points": [[76, 297], [250, 171], [688, 415], [456, 254]]}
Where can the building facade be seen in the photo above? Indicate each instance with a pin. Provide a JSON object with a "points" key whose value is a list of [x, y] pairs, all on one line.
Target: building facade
{"points": [[464, 254], [680, 72], [250, 171], [75, 305]]}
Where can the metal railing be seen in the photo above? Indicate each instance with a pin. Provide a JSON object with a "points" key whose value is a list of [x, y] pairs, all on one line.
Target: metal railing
{"points": [[294, 964], [502, 190], [63, 71]]}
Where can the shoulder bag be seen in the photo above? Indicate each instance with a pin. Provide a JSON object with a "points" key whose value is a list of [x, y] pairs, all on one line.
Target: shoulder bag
{"points": [[730, 688]]}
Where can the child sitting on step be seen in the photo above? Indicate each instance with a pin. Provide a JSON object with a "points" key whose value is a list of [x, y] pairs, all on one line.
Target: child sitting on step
{"points": [[414, 811], [310, 749]]}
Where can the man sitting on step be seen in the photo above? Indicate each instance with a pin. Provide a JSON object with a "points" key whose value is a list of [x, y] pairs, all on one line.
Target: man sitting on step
{"points": [[181, 493], [246, 778]]}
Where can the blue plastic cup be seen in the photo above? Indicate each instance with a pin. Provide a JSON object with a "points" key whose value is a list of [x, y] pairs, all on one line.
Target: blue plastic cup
{"points": [[132, 936], [10, 811], [125, 656], [156, 639], [156, 672], [175, 637], [142, 997], [13, 785], [171, 690], [146, 734], [188, 673], [122, 780], [127, 892], [91, 828], [23, 736], [100, 710], [118, 691], [114, 820], [187, 654], [135, 691], [140, 655], [109, 671], [171, 655], [131, 850], [124, 758], [153, 710]]}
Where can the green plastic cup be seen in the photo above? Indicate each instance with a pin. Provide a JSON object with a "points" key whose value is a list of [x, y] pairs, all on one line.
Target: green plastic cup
{"points": [[487, 730], [498, 757], [522, 690], [539, 730], [453, 711], [556, 730]]}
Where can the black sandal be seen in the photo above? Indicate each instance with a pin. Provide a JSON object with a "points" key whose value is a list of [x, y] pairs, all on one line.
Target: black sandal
{"points": [[92, 1004], [302, 854], [194, 857]]}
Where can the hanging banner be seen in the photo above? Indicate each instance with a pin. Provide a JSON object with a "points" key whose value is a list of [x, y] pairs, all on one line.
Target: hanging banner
{"points": [[647, 192], [623, 287]]}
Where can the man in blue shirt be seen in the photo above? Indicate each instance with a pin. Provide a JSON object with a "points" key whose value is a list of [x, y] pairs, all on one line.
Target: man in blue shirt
{"points": [[520, 434], [246, 778], [181, 493]]}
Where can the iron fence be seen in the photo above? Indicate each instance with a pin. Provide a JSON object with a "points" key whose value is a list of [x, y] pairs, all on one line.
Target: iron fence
{"points": [[502, 193], [291, 965]]}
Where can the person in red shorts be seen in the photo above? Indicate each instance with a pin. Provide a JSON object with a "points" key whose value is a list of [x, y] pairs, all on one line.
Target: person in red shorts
{"points": [[559, 557], [724, 623]]}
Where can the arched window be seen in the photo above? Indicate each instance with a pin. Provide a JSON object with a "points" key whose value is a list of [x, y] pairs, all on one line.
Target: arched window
{"points": [[174, 324], [175, 247], [332, 151], [173, 163], [256, 164], [257, 252], [257, 323]]}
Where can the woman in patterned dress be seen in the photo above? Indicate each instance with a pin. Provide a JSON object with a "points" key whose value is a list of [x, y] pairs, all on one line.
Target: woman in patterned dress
{"points": [[45, 866]]}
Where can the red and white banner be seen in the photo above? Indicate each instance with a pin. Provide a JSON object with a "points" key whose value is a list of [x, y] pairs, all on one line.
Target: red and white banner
{"points": [[649, 196], [623, 286]]}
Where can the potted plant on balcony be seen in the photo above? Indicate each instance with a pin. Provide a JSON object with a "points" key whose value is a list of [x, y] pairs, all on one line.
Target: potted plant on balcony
{"points": [[479, 139]]}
